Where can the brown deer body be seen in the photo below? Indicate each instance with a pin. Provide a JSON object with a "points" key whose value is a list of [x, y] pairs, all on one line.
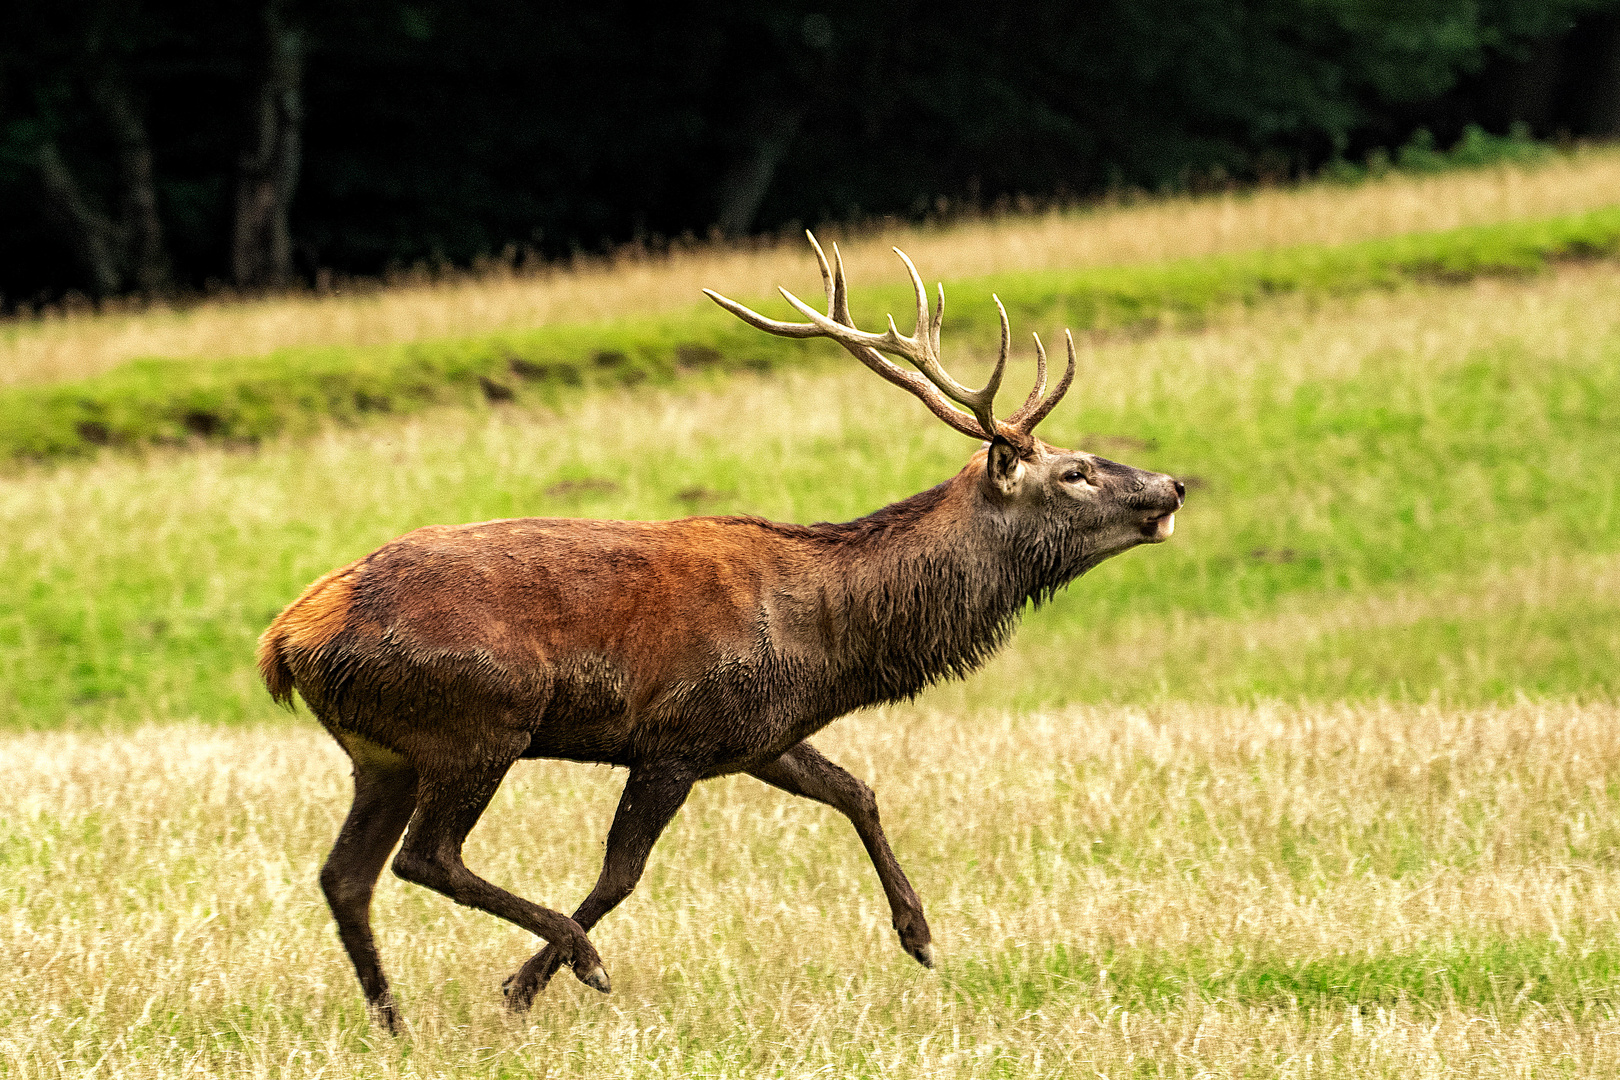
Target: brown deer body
{"points": [[680, 650]]}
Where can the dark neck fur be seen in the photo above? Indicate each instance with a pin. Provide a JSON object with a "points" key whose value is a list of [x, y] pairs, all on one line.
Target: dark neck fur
{"points": [[915, 596]]}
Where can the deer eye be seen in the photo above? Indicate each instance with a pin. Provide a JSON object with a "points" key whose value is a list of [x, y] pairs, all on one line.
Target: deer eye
{"points": [[1074, 476]]}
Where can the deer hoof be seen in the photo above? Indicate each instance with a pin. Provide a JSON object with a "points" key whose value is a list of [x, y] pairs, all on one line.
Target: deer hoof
{"points": [[384, 1012], [597, 979], [923, 954], [519, 998]]}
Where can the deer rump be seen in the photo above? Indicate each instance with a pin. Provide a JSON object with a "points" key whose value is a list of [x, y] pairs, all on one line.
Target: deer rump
{"points": [[681, 650]]}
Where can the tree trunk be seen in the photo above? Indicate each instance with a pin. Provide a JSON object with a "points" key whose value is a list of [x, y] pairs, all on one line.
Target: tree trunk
{"points": [[1603, 93], [267, 171], [124, 249], [90, 233], [743, 188], [141, 255]]}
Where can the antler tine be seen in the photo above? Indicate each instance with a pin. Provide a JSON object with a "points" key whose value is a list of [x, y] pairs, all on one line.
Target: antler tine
{"points": [[930, 382], [994, 384], [924, 355], [1026, 424], [920, 351], [939, 319], [1034, 398], [761, 322], [1006, 327], [826, 274], [840, 308], [924, 332], [1035, 393]]}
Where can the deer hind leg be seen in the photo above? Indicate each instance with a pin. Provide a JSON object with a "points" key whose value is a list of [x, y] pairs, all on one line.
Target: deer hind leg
{"points": [[804, 771], [384, 797], [450, 800], [651, 798]]}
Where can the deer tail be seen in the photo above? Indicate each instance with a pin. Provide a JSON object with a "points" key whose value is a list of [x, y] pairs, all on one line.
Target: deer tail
{"points": [[308, 624], [273, 669]]}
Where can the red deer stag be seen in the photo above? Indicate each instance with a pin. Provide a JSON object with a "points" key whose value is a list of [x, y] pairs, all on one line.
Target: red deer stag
{"points": [[682, 650]]}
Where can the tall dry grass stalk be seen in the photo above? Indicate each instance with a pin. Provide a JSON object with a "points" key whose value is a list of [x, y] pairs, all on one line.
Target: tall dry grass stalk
{"points": [[77, 345], [1114, 892]]}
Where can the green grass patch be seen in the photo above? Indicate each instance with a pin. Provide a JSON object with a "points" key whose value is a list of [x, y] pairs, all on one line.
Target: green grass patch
{"points": [[1437, 516], [295, 391], [1388, 534], [161, 402], [1503, 976], [1187, 291]]}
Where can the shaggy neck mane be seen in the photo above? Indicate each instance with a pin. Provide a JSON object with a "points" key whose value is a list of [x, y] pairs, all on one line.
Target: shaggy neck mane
{"points": [[920, 591]]}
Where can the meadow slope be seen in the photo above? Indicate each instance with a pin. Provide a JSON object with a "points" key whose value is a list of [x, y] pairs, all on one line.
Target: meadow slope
{"points": [[245, 401], [1327, 786], [1395, 496]]}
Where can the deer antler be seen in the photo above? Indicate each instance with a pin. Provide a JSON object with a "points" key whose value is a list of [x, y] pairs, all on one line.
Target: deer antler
{"points": [[1035, 408], [934, 385]]}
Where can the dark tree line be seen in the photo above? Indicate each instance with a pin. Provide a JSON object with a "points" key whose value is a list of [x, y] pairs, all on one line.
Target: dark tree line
{"points": [[149, 146]]}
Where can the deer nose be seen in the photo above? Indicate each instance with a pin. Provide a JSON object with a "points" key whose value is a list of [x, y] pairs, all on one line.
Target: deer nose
{"points": [[1181, 492]]}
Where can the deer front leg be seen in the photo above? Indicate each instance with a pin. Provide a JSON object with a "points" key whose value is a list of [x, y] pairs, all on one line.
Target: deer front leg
{"points": [[804, 771], [651, 797]]}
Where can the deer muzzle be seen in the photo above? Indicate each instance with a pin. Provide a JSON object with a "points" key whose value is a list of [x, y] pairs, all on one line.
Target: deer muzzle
{"points": [[1160, 527]]}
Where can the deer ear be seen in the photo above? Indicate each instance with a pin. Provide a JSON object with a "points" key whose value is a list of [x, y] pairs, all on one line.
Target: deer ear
{"points": [[1005, 466]]}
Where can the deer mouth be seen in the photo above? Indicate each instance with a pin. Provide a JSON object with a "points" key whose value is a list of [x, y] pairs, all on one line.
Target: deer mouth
{"points": [[1159, 529]]}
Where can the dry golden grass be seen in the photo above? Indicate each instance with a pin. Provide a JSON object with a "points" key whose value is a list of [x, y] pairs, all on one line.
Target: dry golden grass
{"points": [[159, 912], [1180, 890], [74, 346]]}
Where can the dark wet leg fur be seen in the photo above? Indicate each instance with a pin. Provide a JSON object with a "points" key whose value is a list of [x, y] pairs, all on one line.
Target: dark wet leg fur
{"points": [[803, 771], [448, 806], [384, 798], [651, 798]]}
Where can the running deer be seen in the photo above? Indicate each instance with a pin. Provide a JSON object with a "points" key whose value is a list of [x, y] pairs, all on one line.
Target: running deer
{"points": [[682, 650]]}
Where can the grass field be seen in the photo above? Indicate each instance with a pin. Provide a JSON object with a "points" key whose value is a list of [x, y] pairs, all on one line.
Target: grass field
{"points": [[1168, 891], [246, 401], [1329, 785]]}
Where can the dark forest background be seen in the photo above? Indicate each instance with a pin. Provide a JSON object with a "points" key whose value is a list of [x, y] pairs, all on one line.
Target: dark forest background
{"points": [[156, 147]]}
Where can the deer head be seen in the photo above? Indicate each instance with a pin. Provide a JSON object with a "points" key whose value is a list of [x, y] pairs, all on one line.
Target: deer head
{"points": [[1071, 509]]}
